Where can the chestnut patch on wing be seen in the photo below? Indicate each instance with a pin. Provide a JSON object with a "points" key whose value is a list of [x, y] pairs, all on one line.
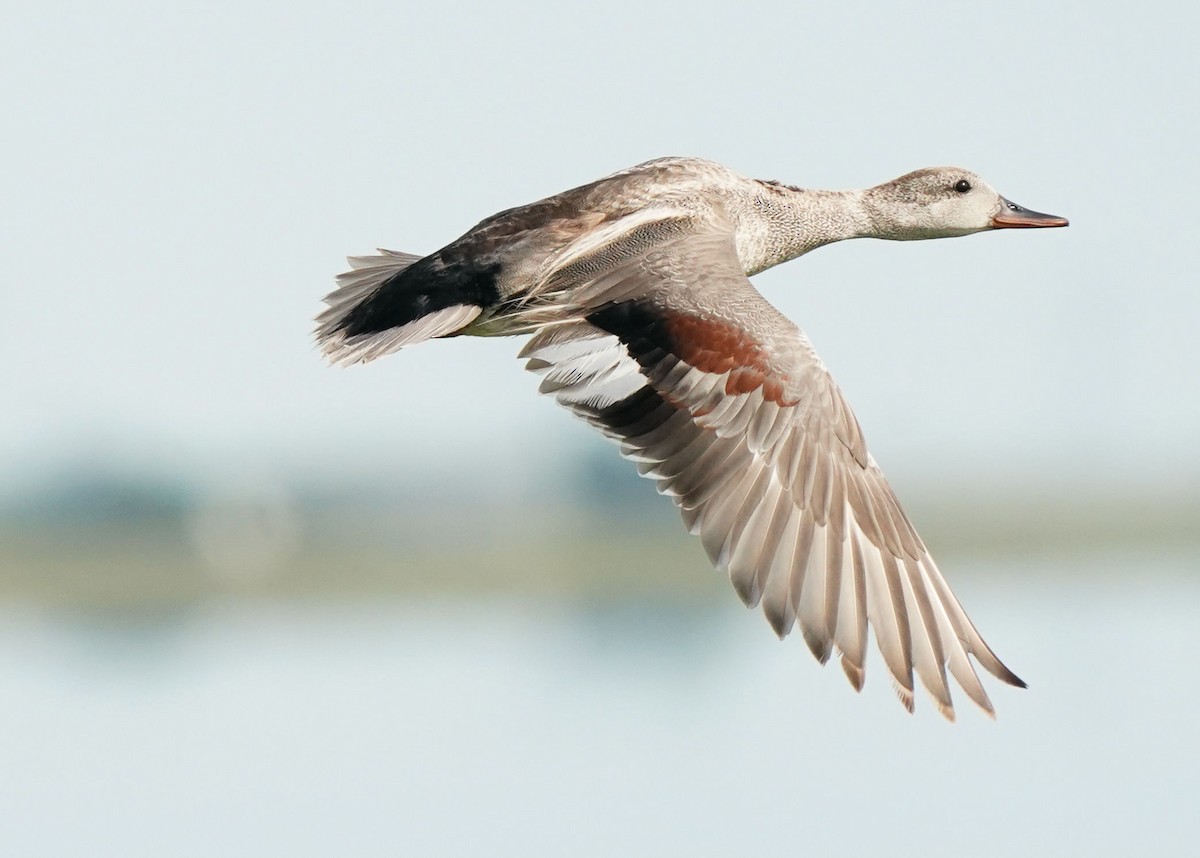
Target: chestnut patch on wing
{"points": [[709, 345]]}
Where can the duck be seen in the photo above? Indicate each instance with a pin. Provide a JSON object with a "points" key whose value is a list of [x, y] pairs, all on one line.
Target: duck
{"points": [[634, 293]]}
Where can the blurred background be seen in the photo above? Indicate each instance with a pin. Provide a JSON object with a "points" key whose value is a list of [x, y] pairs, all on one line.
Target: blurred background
{"points": [[251, 605]]}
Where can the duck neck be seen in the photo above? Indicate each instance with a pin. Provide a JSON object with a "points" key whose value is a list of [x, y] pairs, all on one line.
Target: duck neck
{"points": [[792, 222]]}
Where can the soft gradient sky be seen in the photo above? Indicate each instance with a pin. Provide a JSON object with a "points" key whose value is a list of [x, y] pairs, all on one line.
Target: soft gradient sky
{"points": [[182, 182]]}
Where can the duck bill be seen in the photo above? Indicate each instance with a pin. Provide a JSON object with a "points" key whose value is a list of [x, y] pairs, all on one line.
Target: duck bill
{"points": [[1013, 216]]}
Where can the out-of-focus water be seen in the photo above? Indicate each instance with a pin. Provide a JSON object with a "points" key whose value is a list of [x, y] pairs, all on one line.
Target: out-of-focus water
{"points": [[551, 727]]}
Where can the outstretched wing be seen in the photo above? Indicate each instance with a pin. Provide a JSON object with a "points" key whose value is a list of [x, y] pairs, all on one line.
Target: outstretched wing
{"points": [[722, 401]]}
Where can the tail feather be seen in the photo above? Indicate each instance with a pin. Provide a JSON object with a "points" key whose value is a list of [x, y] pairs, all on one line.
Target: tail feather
{"points": [[360, 348], [366, 276]]}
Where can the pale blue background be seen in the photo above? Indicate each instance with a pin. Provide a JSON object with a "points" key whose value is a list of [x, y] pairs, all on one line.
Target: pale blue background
{"points": [[181, 183]]}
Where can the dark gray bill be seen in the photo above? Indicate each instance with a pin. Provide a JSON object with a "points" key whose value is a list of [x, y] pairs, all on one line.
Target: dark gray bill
{"points": [[1012, 216]]}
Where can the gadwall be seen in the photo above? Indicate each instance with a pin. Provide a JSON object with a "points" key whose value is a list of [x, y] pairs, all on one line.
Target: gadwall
{"points": [[644, 323]]}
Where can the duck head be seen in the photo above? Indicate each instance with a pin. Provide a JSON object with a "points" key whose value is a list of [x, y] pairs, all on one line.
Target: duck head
{"points": [[941, 202]]}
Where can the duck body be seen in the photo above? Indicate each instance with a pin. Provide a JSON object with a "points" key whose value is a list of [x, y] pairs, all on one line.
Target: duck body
{"points": [[644, 324], [517, 257]]}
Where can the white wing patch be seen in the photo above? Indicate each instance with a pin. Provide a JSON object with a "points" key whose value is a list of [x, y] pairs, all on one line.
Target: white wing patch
{"points": [[584, 368]]}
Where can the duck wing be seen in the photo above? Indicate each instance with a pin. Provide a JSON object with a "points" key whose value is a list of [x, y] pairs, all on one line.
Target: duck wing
{"points": [[722, 400]]}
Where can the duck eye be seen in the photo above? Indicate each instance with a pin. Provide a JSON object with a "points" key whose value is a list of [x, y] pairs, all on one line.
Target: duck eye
{"points": [[963, 186]]}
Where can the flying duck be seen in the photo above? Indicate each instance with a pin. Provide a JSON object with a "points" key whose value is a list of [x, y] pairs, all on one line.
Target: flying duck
{"points": [[635, 290]]}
